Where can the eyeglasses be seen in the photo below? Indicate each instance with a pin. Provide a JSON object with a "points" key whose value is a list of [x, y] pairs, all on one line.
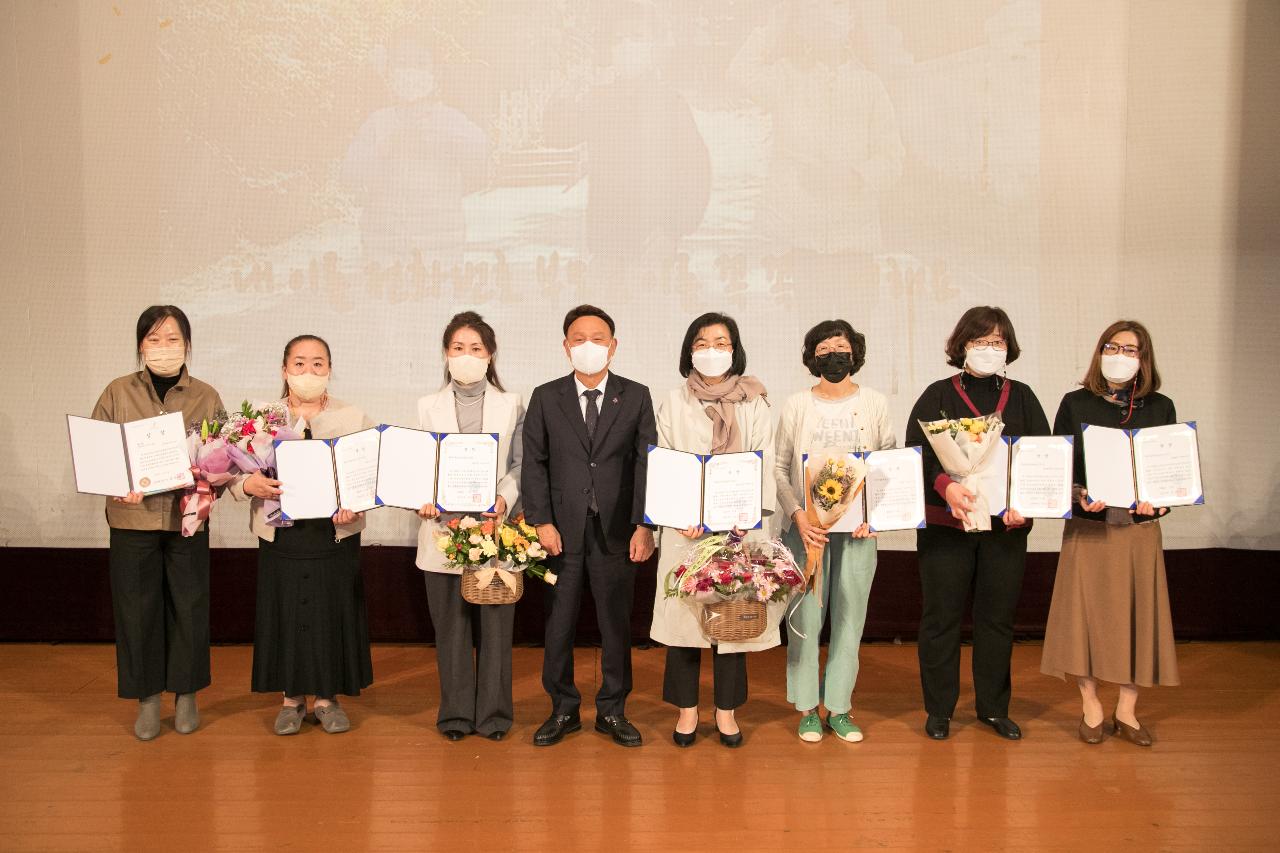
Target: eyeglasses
{"points": [[718, 346], [997, 345], [1115, 349]]}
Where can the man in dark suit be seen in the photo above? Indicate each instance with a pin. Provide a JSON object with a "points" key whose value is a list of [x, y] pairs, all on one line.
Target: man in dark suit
{"points": [[586, 440]]}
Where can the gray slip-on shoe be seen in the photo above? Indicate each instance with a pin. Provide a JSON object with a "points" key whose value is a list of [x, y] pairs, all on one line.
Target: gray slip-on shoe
{"points": [[186, 718], [147, 726], [289, 720], [332, 718]]}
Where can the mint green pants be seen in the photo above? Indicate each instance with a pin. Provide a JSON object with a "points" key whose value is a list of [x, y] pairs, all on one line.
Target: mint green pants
{"points": [[848, 567]]}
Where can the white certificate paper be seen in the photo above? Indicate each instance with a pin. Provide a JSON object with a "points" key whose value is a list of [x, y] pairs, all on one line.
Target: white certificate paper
{"points": [[732, 489], [307, 484], [355, 462], [895, 489], [1040, 476], [1166, 463], [673, 488], [406, 467], [98, 457], [468, 472], [1108, 466], [157, 452]]}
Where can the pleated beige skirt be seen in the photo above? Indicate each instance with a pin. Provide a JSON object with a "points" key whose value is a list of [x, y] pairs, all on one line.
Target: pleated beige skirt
{"points": [[1110, 613]]}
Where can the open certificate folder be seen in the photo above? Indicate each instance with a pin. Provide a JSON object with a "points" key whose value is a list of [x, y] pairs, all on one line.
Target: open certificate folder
{"points": [[892, 494], [148, 456], [320, 476], [388, 466], [1158, 465], [1031, 474], [719, 492]]}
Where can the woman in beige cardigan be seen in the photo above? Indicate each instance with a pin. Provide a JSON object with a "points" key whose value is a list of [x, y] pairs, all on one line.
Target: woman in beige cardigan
{"points": [[475, 682], [717, 410], [311, 636]]}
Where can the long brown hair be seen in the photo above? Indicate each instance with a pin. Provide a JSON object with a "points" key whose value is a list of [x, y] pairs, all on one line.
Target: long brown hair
{"points": [[284, 360], [1148, 379], [472, 320]]}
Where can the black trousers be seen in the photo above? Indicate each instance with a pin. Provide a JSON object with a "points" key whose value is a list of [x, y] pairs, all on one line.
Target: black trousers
{"points": [[954, 564], [475, 680], [612, 579], [684, 665], [160, 600]]}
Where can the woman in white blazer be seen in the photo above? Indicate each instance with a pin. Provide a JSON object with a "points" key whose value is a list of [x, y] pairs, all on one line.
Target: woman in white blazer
{"points": [[475, 688], [835, 414], [716, 410], [311, 634]]}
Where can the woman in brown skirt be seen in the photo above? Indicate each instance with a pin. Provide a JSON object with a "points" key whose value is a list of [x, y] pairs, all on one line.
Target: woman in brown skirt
{"points": [[1109, 620]]}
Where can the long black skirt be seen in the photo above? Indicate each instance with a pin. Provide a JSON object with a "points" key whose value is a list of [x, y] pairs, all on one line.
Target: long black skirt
{"points": [[311, 635]]}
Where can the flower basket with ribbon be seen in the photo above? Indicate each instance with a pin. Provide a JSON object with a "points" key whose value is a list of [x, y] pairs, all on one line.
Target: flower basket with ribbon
{"points": [[493, 556], [731, 581]]}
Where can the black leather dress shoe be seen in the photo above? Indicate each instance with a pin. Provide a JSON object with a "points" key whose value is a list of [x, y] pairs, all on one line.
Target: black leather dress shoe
{"points": [[732, 741], [684, 739], [620, 729], [938, 728], [555, 728], [453, 734], [1004, 727], [496, 735]]}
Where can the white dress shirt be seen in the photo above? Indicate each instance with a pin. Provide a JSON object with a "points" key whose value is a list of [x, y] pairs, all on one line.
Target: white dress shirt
{"points": [[582, 392]]}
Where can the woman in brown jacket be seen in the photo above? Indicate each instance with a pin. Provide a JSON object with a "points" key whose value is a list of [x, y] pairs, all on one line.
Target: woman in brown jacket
{"points": [[159, 578]]}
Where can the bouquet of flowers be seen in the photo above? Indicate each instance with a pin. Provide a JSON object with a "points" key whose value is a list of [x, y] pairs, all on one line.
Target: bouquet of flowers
{"points": [[732, 581], [249, 434], [211, 468], [833, 480], [494, 548], [965, 447]]}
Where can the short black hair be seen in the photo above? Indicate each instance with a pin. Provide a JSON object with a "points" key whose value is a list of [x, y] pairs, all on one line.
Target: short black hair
{"points": [[157, 314], [713, 318], [586, 311], [833, 329], [978, 321]]}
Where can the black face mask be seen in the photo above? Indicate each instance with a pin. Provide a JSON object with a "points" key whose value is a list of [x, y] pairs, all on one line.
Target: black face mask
{"points": [[835, 366]]}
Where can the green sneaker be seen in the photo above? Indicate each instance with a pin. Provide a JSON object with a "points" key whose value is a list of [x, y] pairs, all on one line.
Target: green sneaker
{"points": [[844, 727], [810, 729]]}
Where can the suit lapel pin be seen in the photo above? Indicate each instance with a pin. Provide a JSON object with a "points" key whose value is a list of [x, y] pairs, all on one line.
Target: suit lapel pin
{"points": [[614, 401]]}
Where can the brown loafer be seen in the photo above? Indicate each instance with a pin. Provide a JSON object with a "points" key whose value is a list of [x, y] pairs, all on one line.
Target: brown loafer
{"points": [[1091, 734], [1139, 736]]}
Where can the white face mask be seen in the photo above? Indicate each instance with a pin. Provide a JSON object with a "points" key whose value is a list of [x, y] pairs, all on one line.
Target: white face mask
{"points": [[466, 369], [307, 387], [589, 357], [165, 361], [712, 363], [1119, 368], [985, 362]]}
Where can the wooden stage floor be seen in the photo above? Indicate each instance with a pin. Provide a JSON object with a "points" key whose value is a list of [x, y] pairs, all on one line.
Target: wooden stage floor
{"points": [[72, 777]]}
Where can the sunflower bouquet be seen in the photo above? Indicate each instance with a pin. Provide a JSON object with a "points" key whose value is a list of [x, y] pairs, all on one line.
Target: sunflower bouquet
{"points": [[834, 480]]}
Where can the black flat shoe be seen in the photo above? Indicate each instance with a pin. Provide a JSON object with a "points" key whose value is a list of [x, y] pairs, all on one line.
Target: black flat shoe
{"points": [[555, 728], [496, 735], [938, 728], [732, 741], [453, 734], [1004, 727], [684, 740], [620, 729]]}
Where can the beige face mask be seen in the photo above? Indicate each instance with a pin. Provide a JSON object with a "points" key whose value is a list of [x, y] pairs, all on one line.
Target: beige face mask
{"points": [[307, 387], [165, 361]]}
